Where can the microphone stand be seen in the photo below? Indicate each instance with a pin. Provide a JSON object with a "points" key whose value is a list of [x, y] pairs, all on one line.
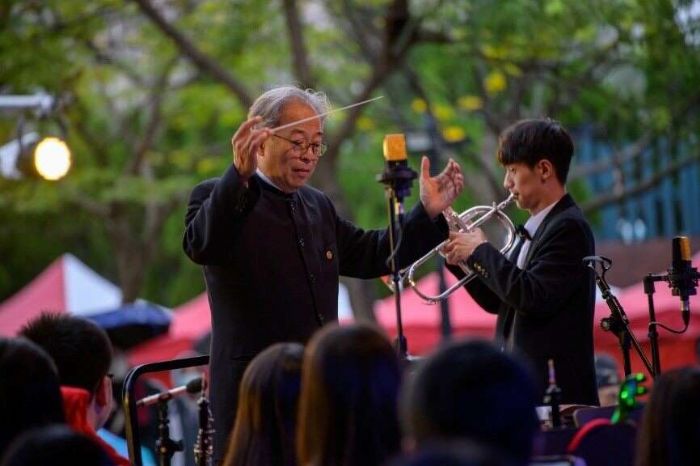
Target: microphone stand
{"points": [[397, 178], [617, 322], [649, 290], [165, 446]]}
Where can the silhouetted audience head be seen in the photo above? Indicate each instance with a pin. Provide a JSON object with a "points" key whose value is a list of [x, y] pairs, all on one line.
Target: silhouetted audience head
{"points": [[670, 432], [455, 453], [264, 432], [348, 405], [56, 445], [29, 392], [81, 350], [471, 390], [82, 353], [607, 379]]}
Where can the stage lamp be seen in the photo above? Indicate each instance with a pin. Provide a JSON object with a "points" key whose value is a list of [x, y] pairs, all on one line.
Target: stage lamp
{"points": [[52, 158]]}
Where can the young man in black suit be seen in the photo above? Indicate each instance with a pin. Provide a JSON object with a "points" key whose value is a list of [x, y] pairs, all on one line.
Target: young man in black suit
{"points": [[273, 247], [541, 290]]}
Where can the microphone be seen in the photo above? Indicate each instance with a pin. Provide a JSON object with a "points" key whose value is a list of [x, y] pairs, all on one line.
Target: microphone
{"points": [[394, 146], [397, 173], [682, 276], [194, 386]]}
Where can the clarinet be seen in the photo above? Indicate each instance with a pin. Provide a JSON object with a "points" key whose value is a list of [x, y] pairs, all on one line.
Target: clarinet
{"points": [[204, 447]]}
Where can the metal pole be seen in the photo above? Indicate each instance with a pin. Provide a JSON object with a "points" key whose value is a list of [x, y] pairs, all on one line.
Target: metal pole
{"points": [[435, 156], [40, 101]]}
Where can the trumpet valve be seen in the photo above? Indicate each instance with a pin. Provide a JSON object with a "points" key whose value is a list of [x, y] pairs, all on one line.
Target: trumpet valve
{"points": [[454, 222]]}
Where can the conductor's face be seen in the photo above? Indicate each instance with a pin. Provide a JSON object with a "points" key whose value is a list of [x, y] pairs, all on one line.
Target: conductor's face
{"points": [[289, 157]]}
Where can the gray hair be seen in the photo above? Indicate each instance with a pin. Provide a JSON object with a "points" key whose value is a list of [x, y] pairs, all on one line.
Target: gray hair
{"points": [[269, 105]]}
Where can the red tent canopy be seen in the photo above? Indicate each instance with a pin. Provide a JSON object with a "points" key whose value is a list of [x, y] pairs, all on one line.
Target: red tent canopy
{"points": [[191, 321], [66, 285], [421, 321]]}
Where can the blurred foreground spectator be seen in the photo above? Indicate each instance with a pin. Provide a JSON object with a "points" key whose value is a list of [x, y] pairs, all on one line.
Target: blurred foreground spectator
{"points": [[670, 432], [56, 445], [348, 404], [265, 427], [607, 379], [29, 392], [456, 453], [470, 390], [82, 353]]}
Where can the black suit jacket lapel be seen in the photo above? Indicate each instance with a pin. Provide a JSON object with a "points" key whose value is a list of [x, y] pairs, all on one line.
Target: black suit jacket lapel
{"points": [[563, 204]]}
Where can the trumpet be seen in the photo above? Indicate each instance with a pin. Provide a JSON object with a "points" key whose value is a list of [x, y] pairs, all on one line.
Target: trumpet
{"points": [[499, 231]]}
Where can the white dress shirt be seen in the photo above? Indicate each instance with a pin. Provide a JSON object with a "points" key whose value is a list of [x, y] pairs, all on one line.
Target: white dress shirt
{"points": [[532, 224]]}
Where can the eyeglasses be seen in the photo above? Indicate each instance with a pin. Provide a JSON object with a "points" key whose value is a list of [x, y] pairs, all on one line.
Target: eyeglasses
{"points": [[300, 148]]}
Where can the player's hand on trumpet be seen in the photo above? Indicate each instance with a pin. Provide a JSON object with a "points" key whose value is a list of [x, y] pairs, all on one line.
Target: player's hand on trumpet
{"points": [[460, 246]]}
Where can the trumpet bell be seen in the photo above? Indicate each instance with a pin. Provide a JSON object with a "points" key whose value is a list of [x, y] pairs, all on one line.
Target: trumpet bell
{"points": [[496, 226]]}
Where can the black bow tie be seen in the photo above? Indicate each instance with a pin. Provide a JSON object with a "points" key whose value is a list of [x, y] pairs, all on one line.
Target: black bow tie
{"points": [[523, 233]]}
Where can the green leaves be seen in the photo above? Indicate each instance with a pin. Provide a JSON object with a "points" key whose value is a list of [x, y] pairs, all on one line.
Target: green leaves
{"points": [[146, 120]]}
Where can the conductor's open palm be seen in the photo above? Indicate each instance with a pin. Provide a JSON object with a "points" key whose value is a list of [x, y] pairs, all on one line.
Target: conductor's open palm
{"points": [[440, 191]]}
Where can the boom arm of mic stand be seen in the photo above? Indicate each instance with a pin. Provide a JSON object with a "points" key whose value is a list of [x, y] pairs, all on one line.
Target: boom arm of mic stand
{"points": [[620, 322]]}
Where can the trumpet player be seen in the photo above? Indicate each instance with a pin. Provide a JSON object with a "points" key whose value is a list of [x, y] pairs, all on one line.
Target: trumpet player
{"points": [[540, 289]]}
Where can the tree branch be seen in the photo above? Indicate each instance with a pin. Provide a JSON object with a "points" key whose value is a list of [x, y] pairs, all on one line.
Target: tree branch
{"points": [[155, 102], [96, 144], [300, 61], [86, 203], [613, 197], [102, 57], [199, 58], [617, 158], [361, 31], [396, 21]]}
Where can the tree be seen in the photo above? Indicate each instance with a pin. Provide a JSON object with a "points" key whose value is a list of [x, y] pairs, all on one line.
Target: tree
{"points": [[153, 90]]}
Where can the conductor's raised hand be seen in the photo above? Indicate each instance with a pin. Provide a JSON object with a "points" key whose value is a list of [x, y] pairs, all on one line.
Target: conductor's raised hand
{"points": [[439, 192], [246, 144]]}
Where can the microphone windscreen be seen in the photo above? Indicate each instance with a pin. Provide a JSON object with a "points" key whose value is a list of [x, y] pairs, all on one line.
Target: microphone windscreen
{"points": [[680, 249], [394, 147], [194, 385]]}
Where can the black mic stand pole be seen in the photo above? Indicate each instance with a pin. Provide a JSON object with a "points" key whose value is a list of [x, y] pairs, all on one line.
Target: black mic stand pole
{"points": [[397, 179], [617, 322], [649, 289], [395, 223], [165, 446]]}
